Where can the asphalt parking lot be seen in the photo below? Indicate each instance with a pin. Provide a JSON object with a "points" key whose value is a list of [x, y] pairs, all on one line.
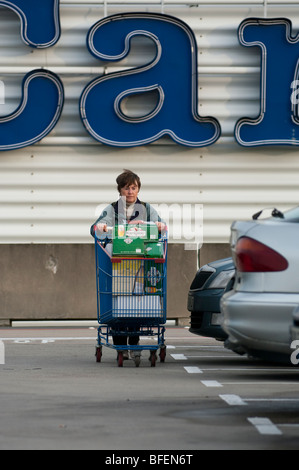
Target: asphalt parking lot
{"points": [[55, 396]]}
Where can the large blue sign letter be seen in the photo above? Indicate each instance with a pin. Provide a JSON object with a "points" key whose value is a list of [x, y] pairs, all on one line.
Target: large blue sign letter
{"points": [[43, 93], [172, 74], [40, 25], [278, 121], [37, 114]]}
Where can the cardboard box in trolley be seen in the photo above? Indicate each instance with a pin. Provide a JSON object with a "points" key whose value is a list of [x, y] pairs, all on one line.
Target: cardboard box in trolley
{"points": [[127, 277], [154, 249], [128, 247], [129, 240], [125, 306], [153, 278]]}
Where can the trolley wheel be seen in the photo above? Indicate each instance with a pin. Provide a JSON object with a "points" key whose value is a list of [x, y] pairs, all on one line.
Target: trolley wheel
{"points": [[162, 353], [153, 358], [137, 360], [120, 359], [98, 353]]}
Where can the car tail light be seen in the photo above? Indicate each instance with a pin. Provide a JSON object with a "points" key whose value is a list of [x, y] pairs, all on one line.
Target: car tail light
{"points": [[253, 256]]}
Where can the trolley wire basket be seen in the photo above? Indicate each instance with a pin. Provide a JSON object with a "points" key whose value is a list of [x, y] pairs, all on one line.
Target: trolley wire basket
{"points": [[131, 300]]}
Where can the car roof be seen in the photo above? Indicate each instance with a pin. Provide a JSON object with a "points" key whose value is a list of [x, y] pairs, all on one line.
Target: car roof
{"points": [[222, 264]]}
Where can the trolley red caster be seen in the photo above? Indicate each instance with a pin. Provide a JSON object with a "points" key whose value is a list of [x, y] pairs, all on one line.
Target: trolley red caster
{"points": [[120, 359], [137, 359], [153, 358], [98, 353], [162, 353]]}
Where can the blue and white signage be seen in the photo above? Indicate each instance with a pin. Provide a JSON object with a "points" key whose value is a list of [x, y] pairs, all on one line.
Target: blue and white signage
{"points": [[40, 24], [172, 73], [38, 113], [277, 123]]}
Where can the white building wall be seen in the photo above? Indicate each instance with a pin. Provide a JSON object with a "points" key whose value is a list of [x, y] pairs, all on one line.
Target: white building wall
{"points": [[49, 192]]}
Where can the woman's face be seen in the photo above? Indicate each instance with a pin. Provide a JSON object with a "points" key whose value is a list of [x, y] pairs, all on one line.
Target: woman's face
{"points": [[130, 192]]}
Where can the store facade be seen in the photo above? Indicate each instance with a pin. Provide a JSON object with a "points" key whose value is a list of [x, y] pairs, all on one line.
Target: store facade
{"points": [[190, 95]]}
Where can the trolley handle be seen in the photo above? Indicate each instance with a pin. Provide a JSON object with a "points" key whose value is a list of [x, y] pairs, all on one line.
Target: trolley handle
{"points": [[108, 234]]}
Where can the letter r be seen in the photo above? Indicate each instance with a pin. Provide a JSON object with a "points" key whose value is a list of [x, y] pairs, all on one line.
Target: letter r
{"points": [[277, 123]]}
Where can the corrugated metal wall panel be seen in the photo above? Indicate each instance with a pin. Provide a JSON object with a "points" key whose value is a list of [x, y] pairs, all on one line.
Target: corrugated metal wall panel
{"points": [[50, 192]]}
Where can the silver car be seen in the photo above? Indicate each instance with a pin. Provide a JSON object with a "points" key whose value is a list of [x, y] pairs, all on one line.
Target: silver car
{"points": [[258, 312], [295, 325]]}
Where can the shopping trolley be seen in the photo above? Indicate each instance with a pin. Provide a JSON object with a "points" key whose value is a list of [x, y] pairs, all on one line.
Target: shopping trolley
{"points": [[131, 297]]}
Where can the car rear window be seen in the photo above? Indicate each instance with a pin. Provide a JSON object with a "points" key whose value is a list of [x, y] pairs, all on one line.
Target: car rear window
{"points": [[200, 279]]}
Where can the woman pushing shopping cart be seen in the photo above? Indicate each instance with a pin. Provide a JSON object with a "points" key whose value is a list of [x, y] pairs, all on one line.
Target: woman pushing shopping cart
{"points": [[131, 270]]}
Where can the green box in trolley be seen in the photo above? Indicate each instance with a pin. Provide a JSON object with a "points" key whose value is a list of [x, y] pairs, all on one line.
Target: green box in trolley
{"points": [[153, 277], [154, 249], [129, 239]]}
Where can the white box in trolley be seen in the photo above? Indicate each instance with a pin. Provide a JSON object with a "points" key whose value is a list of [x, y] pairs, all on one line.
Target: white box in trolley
{"points": [[137, 306]]}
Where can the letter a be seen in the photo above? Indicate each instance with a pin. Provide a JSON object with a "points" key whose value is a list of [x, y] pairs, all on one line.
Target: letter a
{"points": [[277, 123], [172, 75]]}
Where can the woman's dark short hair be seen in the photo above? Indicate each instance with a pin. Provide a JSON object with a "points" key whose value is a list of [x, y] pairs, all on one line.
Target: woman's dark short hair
{"points": [[126, 179]]}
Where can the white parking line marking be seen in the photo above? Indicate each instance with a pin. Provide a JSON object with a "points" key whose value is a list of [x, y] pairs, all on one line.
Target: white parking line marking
{"points": [[233, 400], [265, 426], [28, 340], [270, 382], [2, 353], [250, 369], [179, 357], [289, 425], [211, 383], [193, 370], [272, 399], [206, 347], [206, 357]]}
